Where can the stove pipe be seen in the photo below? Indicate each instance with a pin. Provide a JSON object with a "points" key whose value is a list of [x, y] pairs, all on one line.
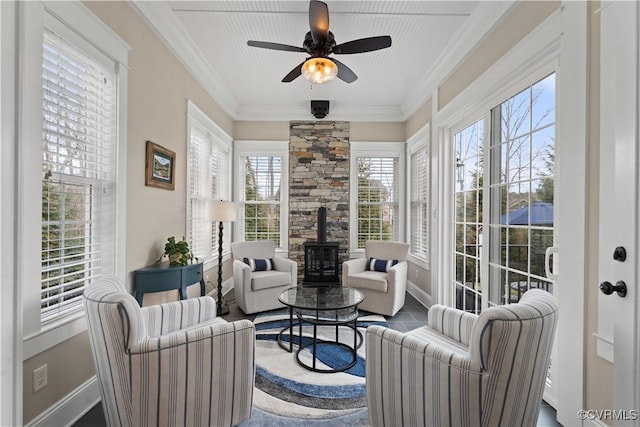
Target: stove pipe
{"points": [[322, 225]]}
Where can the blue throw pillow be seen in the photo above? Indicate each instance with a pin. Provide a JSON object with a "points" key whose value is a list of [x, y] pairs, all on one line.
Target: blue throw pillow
{"points": [[258, 264], [382, 265]]}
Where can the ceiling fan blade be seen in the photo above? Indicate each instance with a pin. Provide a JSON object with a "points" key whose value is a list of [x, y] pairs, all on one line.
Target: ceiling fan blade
{"points": [[318, 20], [345, 73], [363, 45], [293, 74], [275, 46]]}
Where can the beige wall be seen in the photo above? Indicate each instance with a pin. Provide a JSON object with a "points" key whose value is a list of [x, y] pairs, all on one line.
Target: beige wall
{"points": [[416, 274], [360, 131], [378, 131], [523, 19], [261, 131], [158, 90], [69, 364], [419, 277], [419, 118]]}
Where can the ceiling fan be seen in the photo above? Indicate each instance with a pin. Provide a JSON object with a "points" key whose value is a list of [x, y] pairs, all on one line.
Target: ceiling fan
{"points": [[319, 43]]}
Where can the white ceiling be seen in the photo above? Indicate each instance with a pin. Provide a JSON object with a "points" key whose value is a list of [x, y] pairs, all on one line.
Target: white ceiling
{"points": [[428, 38]]}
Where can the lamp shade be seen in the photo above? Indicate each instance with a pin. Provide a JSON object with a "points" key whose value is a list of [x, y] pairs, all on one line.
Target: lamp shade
{"points": [[222, 211], [319, 70]]}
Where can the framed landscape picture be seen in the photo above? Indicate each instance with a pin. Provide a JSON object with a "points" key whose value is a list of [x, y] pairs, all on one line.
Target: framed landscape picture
{"points": [[160, 167]]}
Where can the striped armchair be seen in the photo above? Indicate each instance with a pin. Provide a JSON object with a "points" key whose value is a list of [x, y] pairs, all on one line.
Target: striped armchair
{"points": [[463, 369], [171, 364]]}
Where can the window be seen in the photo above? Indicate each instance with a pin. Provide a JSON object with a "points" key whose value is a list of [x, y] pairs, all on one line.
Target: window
{"points": [[418, 189], [78, 165], [71, 170], [522, 191], [468, 172], [262, 181], [209, 171], [378, 203], [261, 184], [504, 199]]}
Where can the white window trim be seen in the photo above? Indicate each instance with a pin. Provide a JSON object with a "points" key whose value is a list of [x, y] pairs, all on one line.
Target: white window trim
{"points": [[196, 115], [536, 55], [375, 149], [11, 336], [420, 141], [562, 37], [82, 22], [264, 148]]}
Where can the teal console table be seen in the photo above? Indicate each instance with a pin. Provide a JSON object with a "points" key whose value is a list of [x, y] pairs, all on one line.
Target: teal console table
{"points": [[164, 277]]}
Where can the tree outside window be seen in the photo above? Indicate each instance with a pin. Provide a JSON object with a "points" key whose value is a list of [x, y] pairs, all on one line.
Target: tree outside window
{"points": [[377, 199], [262, 198]]}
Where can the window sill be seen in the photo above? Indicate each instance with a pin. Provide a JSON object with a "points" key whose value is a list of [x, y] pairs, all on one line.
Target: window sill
{"points": [[54, 334], [418, 261], [210, 263]]}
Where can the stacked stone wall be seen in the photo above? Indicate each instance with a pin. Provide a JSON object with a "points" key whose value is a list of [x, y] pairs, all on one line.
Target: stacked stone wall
{"points": [[318, 176]]}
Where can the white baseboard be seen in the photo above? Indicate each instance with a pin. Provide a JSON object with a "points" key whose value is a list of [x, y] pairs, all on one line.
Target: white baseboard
{"points": [[71, 408], [227, 286], [419, 294]]}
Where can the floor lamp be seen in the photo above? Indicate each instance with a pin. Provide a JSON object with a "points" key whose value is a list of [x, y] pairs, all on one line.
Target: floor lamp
{"points": [[222, 212]]}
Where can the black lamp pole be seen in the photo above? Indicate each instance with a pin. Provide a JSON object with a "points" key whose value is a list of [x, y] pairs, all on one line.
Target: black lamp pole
{"points": [[221, 309]]}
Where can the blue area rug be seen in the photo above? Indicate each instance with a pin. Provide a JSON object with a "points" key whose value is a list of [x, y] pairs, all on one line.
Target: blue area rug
{"points": [[287, 394]]}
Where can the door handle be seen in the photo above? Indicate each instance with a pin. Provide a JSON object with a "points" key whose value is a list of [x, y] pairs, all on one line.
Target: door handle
{"points": [[547, 257], [620, 288]]}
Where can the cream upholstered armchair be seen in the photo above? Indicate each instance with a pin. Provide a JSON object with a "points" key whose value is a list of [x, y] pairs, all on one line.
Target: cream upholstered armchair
{"points": [[463, 369], [381, 276], [168, 364], [259, 275]]}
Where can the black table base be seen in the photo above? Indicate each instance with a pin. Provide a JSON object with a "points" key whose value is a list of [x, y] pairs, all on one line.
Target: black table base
{"points": [[316, 321]]}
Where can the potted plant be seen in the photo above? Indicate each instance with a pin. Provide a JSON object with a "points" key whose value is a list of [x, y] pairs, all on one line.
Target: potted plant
{"points": [[178, 252]]}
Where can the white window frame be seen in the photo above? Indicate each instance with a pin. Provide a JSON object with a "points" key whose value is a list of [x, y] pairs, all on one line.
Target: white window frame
{"points": [[75, 21], [561, 38], [505, 77], [360, 149], [219, 140], [243, 149], [419, 142], [11, 336]]}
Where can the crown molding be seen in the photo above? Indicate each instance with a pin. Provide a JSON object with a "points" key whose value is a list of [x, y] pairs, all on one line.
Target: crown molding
{"points": [[354, 114], [472, 34], [165, 25]]}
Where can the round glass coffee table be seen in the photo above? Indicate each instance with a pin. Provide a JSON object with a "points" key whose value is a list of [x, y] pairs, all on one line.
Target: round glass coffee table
{"points": [[322, 305]]}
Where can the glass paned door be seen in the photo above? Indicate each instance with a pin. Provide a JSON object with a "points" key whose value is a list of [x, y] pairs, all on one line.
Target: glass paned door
{"points": [[499, 249], [500, 245], [521, 191], [468, 182]]}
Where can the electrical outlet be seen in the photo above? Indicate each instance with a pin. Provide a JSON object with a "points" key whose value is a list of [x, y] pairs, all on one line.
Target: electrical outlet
{"points": [[40, 378]]}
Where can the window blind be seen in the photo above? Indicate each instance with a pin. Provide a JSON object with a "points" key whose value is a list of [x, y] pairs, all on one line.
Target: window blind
{"points": [[419, 215], [78, 155], [263, 176], [208, 169], [378, 204]]}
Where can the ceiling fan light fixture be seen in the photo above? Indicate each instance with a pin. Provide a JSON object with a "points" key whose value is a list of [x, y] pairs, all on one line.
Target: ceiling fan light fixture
{"points": [[319, 70]]}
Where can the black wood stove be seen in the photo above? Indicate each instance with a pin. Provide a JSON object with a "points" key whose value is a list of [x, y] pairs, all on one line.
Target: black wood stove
{"points": [[321, 263]]}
